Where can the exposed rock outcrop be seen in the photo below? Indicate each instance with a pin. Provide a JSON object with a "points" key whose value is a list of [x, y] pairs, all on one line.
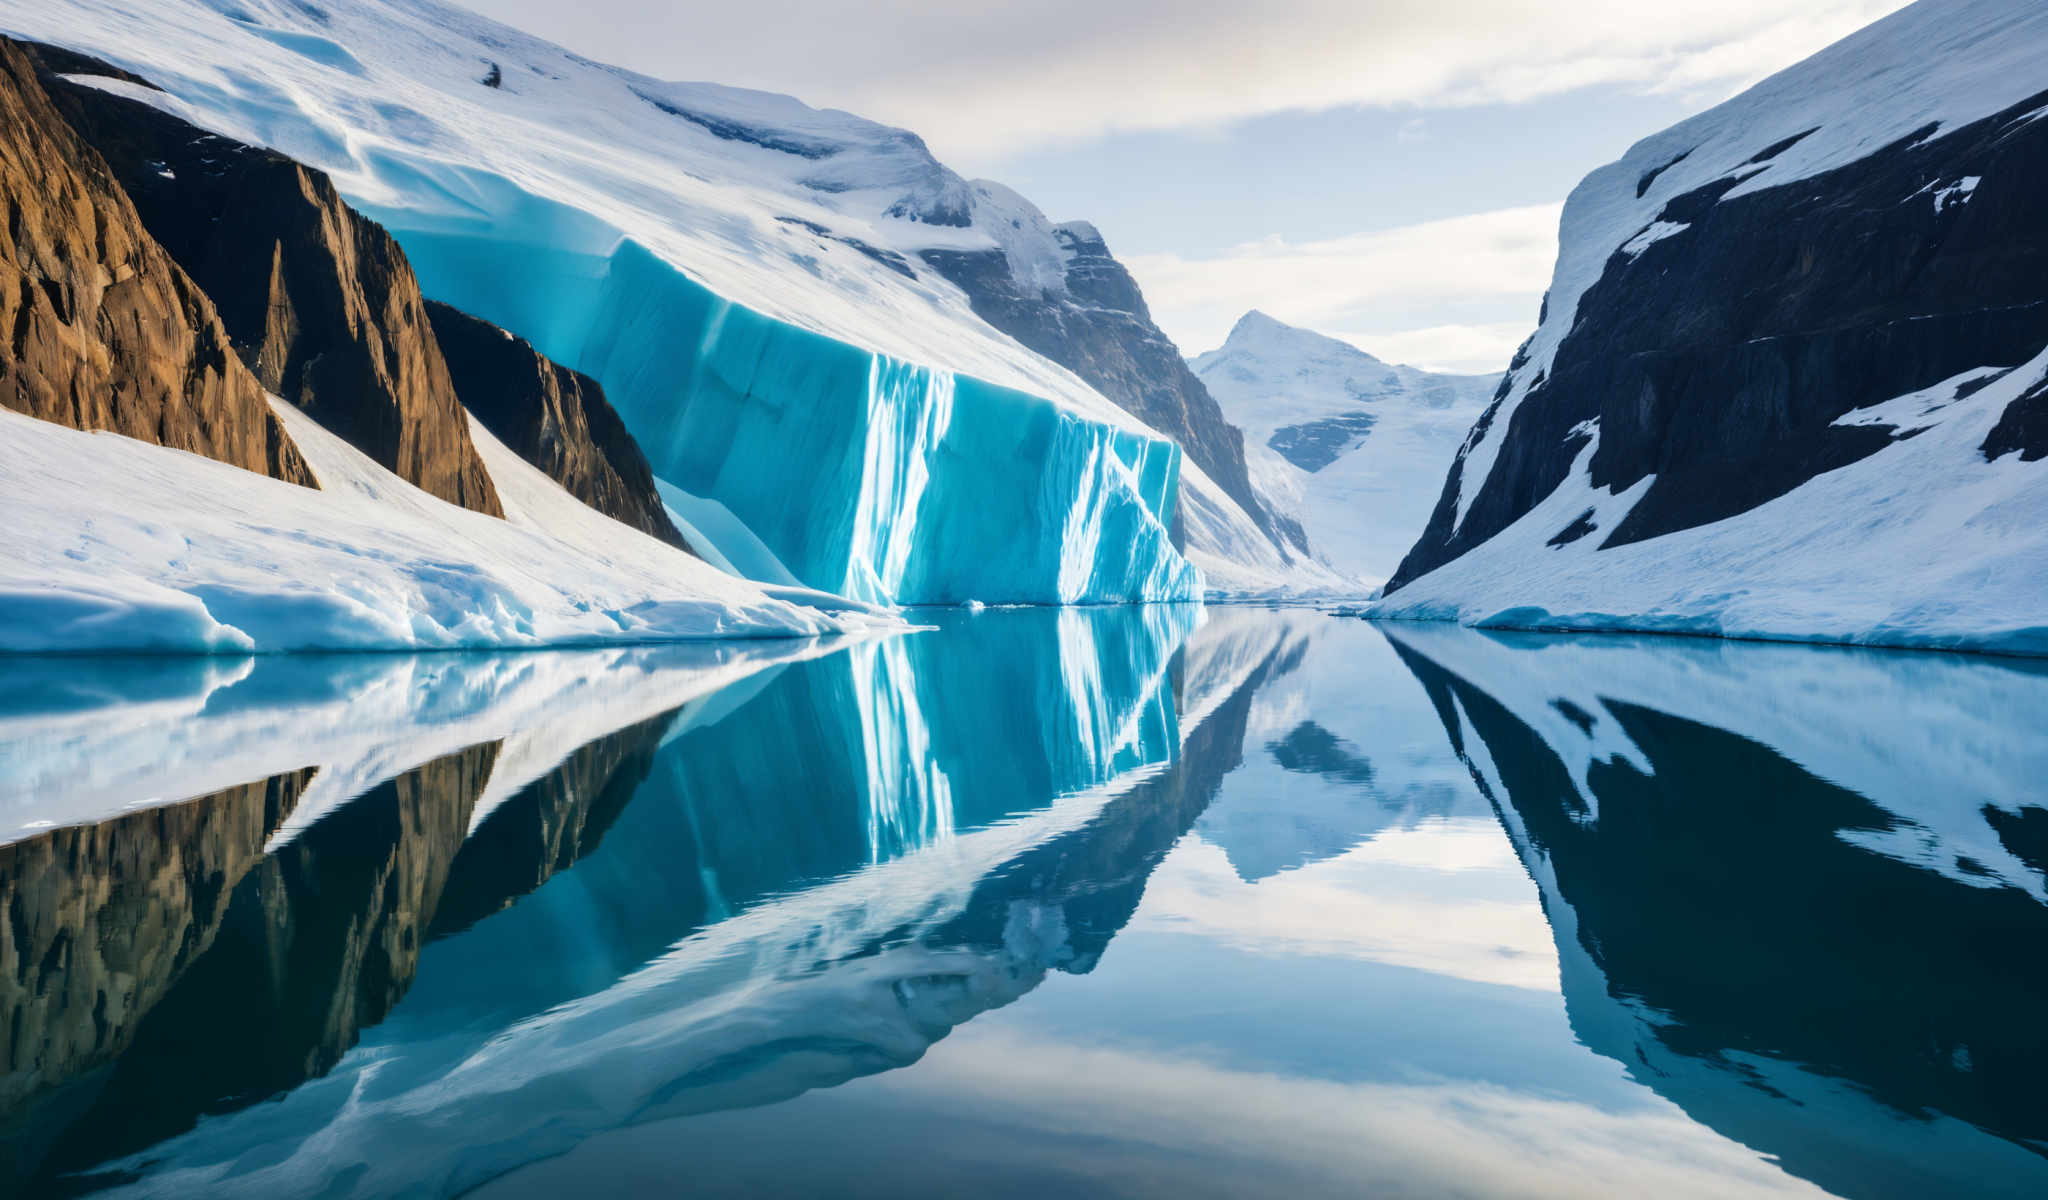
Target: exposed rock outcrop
{"points": [[1101, 330], [104, 330], [553, 417], [320, 301]]}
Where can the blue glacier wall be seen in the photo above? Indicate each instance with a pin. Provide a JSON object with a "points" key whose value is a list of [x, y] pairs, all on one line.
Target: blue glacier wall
{"points": [[869, 477]]}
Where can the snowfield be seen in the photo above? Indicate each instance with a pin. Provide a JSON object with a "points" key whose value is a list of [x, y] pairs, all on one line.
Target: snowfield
{"points": [[736, 248], [1923, 544], [115, 545]]}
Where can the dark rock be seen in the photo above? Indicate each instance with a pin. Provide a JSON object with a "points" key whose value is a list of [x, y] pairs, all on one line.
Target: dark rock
{"points": [[734, 131], [493, 78], [2023, 428], [1650, 176], [888, 258], [1718, 359], [104, 330], [1580, 526], [1317, 444], [553, 417], [1102, 331], [320, 301]]}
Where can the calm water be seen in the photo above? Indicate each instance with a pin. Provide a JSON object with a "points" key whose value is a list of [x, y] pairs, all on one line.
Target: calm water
{"points": [[1108, 902]]}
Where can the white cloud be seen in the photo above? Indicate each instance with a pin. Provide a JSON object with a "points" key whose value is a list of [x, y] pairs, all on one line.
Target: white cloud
{"points": [[1472, 349], [1496, 261], [985, 79]]}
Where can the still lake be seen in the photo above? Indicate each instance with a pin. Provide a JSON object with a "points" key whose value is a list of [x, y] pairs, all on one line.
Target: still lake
{"points": [[1092, 902]]}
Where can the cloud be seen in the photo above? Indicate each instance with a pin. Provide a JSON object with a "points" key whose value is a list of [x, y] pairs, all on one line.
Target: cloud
{"points": [[987, 79], [1494, 263], [1467, 349]]}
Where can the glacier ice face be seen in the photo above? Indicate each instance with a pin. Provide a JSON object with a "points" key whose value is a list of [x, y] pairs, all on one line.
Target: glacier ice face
{"points": [[735, 268], [863, 475]]}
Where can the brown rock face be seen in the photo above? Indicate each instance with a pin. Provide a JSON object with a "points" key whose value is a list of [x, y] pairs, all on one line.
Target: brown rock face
{"points": [[319, 300], [103, 329], [553, 417]]}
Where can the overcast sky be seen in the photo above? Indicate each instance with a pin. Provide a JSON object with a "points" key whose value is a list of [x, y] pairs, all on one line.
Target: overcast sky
{"points": [[1386, 171]]}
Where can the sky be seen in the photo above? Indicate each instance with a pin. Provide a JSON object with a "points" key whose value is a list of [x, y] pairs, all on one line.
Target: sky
{"points": [[1385, 171]]}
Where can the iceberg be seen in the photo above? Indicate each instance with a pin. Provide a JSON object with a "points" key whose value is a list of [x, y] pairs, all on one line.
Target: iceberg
{"points": [[738, 270], [858, 473]]}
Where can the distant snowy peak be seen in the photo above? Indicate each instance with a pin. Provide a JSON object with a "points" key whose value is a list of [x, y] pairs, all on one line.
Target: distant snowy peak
{"points": [[1272, 377], [1352, 447]]}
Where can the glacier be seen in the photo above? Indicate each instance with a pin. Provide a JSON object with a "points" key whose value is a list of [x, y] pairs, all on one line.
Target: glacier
{"points": [[737, 270], [860, 474]]}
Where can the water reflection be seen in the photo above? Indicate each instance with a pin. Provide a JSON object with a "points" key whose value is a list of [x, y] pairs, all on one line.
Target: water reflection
{"points": [[1795, 890], [1424, 911], [784, 877]]}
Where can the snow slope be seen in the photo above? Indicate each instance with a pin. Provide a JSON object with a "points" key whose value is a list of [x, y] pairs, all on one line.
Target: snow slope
{"points": [[1390, 432], [1922, 544], [738, 271], [113, 544]]}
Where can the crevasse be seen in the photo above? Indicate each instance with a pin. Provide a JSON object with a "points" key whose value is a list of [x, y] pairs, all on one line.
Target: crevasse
{"points": [[862, 475]]}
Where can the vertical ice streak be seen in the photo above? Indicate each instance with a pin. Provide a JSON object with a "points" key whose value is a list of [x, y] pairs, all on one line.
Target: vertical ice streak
{"points": [[909, 411]]}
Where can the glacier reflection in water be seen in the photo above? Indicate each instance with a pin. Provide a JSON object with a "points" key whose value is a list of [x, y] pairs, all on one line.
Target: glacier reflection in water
{"points": [[1426, 910]]}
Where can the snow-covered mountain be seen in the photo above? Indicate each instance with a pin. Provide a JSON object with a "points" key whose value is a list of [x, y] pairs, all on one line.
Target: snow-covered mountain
{"points": [[1351, 447], [747, 278], [1792, 374]]}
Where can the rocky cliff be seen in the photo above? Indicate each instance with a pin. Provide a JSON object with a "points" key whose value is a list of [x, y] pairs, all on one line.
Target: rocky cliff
{"points": [[1788, 376], [1096, 324], [320, 301], [105, 331], [553, 417], [1858, 229]]}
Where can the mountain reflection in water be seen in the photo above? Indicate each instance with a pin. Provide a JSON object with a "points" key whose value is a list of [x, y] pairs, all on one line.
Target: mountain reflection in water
{"points": [[1389, 909]]}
